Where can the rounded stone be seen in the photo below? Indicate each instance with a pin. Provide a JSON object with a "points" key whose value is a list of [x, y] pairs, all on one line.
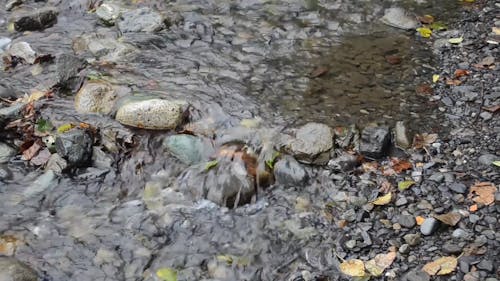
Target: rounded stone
{"points": [[95, 97], [429, 226]]}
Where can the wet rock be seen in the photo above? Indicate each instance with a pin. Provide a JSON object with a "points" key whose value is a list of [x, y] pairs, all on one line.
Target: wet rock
{"points": [[12, 269], [397, 17], [407, 221], [100, 159], [374, 141], [429, 226], [6, 152], [487, 159], [76, 147], [227, 184], [38, 19], [150, 113], [109, 13], [289, 172], [437, 177], [188, 149], [68, 66], [56, 163], [95, 97], [344, 162], [486, 265], [141, 20], [312, 144], [107, 48], [23, 51], [416, 275], [460, 234], [4, 42], [9, 113], [452, 248], [42, 183], [404, 249], [401, 135], [458, 187]]}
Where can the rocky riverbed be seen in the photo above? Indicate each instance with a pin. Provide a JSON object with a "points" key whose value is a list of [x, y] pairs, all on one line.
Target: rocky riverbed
{"points": [[249, 140]]}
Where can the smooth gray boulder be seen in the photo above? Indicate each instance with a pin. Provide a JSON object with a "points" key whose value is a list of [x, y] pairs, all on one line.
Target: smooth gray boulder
{"points": [[289, 172], [312, 144], [375, 141]]}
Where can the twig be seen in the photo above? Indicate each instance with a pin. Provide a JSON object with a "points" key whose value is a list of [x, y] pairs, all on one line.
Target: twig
{"points": [[481, 104]]}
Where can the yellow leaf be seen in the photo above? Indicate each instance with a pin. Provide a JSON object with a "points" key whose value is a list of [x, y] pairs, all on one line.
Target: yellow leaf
{"points": [[457, 40], [496, 163], [167, 274], [496, 30], [404, 185], [65, 127], [441, 266], [383, 200], [435, 78], [379, 263], [354, 268], [424, 32]]}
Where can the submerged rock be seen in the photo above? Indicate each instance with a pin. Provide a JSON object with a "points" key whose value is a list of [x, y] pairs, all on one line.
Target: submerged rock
{"points": [[95, 97], [150, 113], [374, 141], [141, 20], [312, 144], [38, 19], [188, 149], [227, 184], [68, 66], [4, 42], [9, 113], [397, 17], [109, 12], [289, 172], [23, 51], [401, 135], [6, 152], [12, 269], [76, 147]]}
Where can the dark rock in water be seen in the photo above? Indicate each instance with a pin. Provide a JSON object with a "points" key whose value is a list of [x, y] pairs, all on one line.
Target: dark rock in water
{"points": [[227, 184], [289, 172], [344, 162], [188, 149], [68, 66], [141, 20], [13, 270], [429, 226], [38, 19], [374, 141], [312, 144], [76, 147]]}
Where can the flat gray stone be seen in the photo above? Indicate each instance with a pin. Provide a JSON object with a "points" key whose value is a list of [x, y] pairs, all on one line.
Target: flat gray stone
{"points": [[141, 20], [429, 226], [289, 172], [312, 143], [407, 221]]}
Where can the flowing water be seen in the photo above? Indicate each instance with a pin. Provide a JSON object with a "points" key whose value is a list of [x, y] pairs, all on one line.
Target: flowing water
{"points": [[231, 60]]}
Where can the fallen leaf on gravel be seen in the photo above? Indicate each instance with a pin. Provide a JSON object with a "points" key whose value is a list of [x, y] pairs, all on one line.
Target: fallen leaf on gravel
{"points": [[485, 193], [211, 164], [400, 165], [451, 218], [495, 30], [492, 109], [423, 140], [31, 151], [385, 187], [65, 127], [167, 274], [496, 163], [355, 268], [383, 200], [473, 208], [435, 78], [457, 40], [370, 166], [441, 266], [424, 32], [426, 19], [438, 26], [420, 220], [453, 82], [424, 89], [461, 72], [404, 185], [41, 158], [379, 263], [318, 72]]}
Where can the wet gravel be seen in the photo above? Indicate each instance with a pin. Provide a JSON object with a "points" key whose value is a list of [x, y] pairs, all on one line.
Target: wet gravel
{"points": [[123, 216]]}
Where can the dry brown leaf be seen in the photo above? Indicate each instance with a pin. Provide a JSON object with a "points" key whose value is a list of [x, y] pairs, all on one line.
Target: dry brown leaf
{"points": [[441, 266], [485, 193], [493, 108], [424, 140], [453, 82], [31, 151], [370, 166], [400, 165], [420, 220], [383, 200], [461, 72], [451, 218], [426, 19], [379, 263], [355, 268]]}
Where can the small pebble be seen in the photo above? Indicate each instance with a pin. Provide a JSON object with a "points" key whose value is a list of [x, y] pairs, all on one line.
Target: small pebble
{"points": [[407, 221], [412, 239], [458, 187], [429, 226]]}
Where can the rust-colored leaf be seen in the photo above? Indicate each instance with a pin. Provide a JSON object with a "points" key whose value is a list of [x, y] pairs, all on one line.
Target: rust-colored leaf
{"points": [[426, 19], [461, 72], [400, 165], [393, 59], [424, 89], [473, 208], [32, 150], [319, 71], [493, 108], [484, 193]]}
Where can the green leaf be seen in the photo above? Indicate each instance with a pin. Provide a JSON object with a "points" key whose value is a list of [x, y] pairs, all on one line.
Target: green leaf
{"points": [[270, 162], [404, 185], [167, 274], [211, 165], [424, 32], [496, 163], [65, 127], [438, 26], [44, 125], [225, 258], [457, 40]]}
